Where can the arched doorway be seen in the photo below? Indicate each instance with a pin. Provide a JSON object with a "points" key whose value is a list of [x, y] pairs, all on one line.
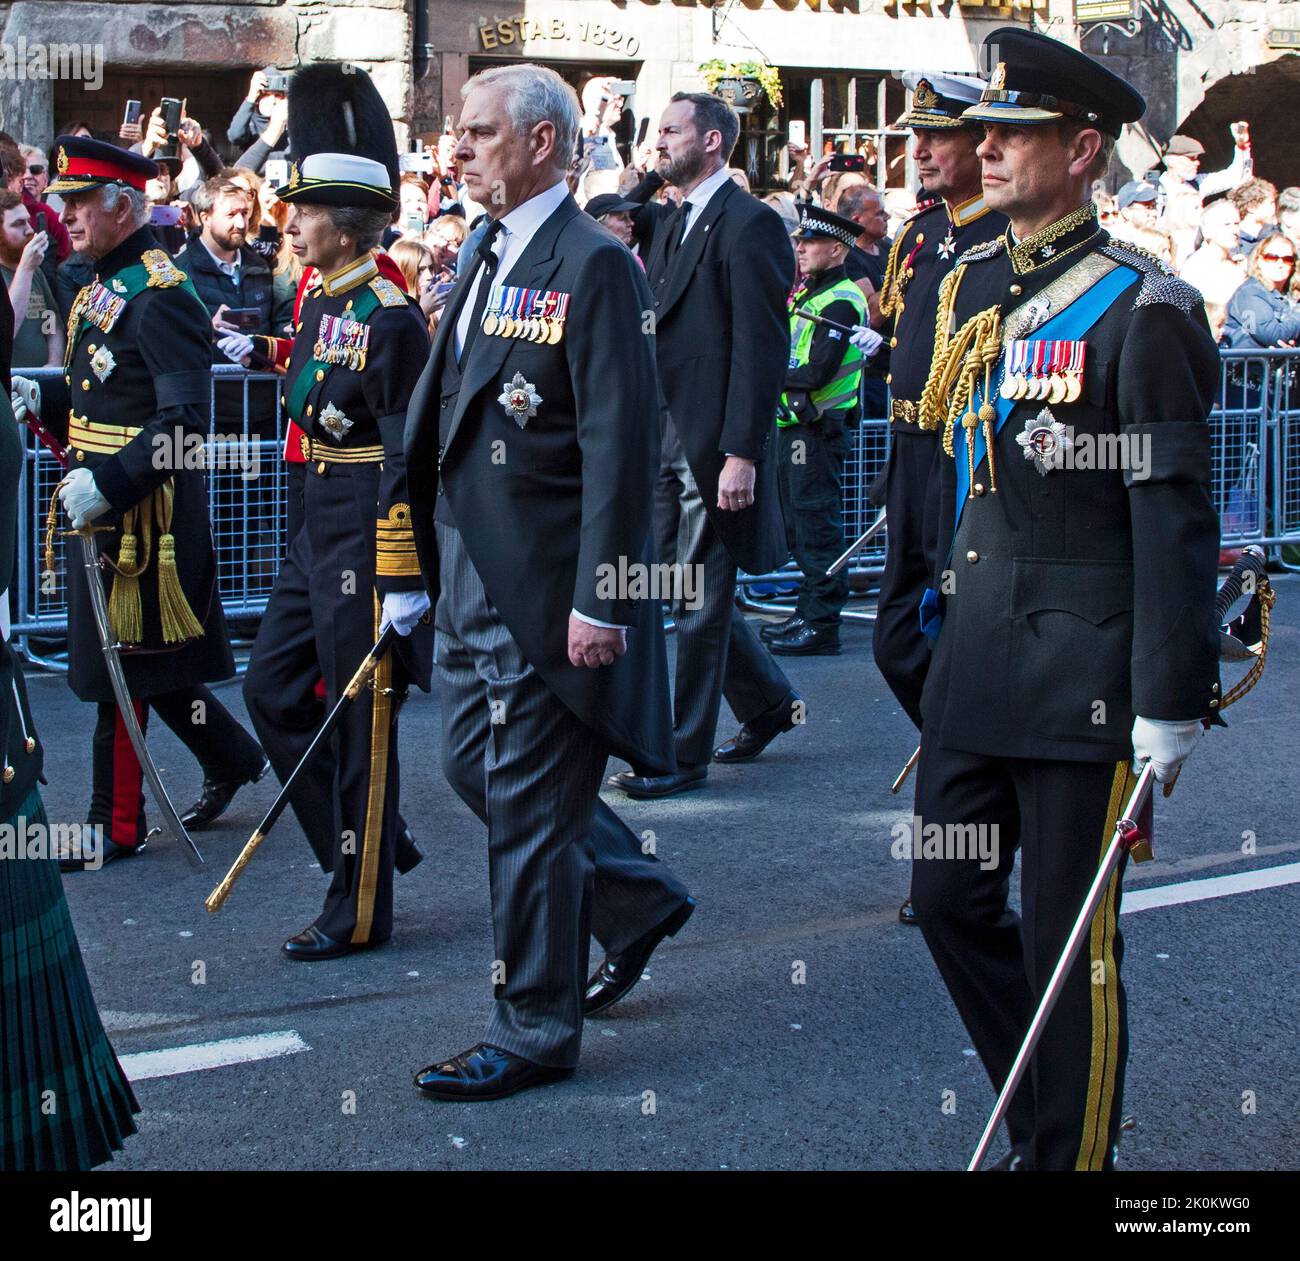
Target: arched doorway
{"points": [[1260, 98]]}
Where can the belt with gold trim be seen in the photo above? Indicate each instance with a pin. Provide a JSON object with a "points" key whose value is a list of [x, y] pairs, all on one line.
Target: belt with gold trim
{"points": [[904, 409], [98, 437]]}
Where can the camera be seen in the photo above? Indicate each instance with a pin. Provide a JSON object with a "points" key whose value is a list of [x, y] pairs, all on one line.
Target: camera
{"points": [[277, 82]]}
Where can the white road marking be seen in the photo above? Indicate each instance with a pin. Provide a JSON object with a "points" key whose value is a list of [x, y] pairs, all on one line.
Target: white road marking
{"points": [[191, 1059], [1216, 887]]}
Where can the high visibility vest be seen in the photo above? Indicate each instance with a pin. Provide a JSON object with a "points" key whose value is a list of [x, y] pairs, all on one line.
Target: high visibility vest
{"points": [[840, 393]]}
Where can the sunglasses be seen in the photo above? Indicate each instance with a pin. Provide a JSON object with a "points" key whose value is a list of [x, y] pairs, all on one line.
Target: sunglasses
{"points": [[1278, 258], [35, 170]]}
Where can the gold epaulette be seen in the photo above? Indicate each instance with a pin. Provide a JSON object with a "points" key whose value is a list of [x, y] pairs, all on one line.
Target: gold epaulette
{"points": [[163, 273], [387, 292], [395, 554]]}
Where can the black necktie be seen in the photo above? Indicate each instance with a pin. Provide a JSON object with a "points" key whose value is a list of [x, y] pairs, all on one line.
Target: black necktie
{"points": [[489, 260], [676, 225]]}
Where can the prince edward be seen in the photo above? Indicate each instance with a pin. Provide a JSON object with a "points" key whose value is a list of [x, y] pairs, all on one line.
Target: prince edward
{"points": [[532, 441], [1076, 601]]}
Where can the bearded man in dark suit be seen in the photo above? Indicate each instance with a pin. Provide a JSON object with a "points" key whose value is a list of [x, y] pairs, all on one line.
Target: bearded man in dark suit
{"points": [[720, 271], [532, 441]]}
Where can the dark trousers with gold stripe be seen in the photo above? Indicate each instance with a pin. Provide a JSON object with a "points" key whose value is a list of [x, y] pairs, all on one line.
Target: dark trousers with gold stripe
{"points": [[321, 621], [995, 963]]}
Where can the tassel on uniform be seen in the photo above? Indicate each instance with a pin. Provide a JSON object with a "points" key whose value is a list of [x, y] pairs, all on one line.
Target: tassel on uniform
{"points": [[178, 620], [125, 611]]}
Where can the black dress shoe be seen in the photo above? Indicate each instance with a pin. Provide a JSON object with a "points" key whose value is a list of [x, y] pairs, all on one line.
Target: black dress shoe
{"points": [[484, 1072], [311, 944], [409, 855], [773, 629], [806, 640], [759, 732], [81, 860], [217, 794], [906, 913], [645, 787], [619, 973]]}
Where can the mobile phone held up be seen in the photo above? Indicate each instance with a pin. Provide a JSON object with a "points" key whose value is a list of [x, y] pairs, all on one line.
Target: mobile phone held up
{"points": [[847, 162], [131, 114]]}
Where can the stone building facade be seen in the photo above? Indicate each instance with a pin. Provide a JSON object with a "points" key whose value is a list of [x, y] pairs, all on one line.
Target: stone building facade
{"points": [[1202, 63]]}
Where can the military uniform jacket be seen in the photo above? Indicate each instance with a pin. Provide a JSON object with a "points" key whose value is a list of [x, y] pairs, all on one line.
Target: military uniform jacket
{"points": [[361, 344], [140, 381], [924, 252], [552, 489], [1076, 598]]}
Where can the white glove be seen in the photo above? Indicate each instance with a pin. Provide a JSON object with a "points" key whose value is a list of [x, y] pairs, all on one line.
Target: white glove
{"points": [[866, 339], [81, 498], [1165, 743], [235, 346], [402, 609], [25, 398]]}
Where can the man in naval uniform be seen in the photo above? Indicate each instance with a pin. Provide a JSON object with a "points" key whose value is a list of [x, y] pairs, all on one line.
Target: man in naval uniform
{"points": [[1073, 604], [923, 253], [138, 364]]}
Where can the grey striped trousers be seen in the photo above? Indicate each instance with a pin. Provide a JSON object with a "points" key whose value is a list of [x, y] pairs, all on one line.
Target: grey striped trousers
{"points": [[562, 865]]}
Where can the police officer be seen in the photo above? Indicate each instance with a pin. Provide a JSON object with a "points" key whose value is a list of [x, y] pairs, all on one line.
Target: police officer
{"points": [[352, 568], [138, 364], [924, 252], [1074, 602], [820, 401]]}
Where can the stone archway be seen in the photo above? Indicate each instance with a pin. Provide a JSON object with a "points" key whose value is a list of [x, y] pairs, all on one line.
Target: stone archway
{"points": [[1262, 97]]}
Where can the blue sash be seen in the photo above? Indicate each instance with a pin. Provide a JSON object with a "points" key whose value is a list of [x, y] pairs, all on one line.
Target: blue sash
{"points": [[1068, 325]]}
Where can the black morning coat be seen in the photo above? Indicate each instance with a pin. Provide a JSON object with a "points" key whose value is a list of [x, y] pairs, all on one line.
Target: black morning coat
{"points": [[543, 508], [160, 380], [722, 334], [1083, 597]]}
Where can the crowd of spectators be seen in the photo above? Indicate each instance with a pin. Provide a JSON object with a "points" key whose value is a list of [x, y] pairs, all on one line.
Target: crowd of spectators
{"points": [[214, 206]]}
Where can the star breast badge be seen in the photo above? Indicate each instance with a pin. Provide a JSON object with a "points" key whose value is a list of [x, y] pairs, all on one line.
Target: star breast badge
{"points": [[947, 247], [102, 363], [334, 422], [520, 399], [1044, 440]]}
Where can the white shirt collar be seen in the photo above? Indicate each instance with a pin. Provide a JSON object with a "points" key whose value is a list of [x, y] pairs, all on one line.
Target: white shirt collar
{"points": [[703, 192], [522, 222]]}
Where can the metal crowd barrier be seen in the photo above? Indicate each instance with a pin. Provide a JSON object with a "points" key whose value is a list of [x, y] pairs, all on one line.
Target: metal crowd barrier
{"points": [[1255, 428]]}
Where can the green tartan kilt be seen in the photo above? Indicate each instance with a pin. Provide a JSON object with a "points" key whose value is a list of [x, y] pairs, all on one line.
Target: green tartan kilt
{"points": [[65, 1103]]}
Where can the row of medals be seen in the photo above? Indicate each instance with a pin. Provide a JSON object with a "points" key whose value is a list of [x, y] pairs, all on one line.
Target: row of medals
{"points": [[1059, 387], [534, 328]]}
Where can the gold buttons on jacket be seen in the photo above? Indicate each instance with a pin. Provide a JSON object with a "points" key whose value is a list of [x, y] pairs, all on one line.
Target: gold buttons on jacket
{"points": [[310, 409], [29, 745], [1016, 290], [978, 488], [85, 385], [90, 349], [9, 775], [320, 374], [893, 341], [1215, 690], [973, 558], [81, 455]]}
